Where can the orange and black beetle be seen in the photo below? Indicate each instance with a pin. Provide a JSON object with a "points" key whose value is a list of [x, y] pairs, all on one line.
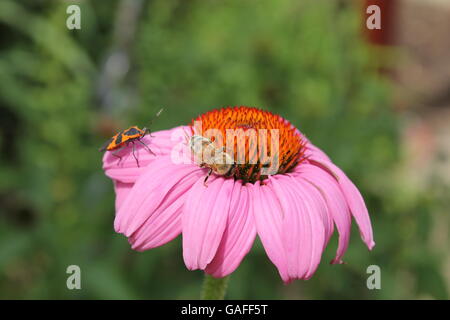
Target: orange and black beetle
{"points": [[123, 138]]}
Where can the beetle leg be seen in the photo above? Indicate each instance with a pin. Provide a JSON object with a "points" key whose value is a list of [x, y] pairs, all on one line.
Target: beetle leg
{"points": [[146, 147], [114, 153], [147, 132], [134, 155]]}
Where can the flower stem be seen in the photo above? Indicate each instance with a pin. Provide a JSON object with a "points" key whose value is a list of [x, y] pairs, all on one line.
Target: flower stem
{"points": [[214, 288]]}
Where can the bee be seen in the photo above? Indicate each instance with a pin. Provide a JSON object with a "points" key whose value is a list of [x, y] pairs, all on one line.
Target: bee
{"points": [[217, 160]]}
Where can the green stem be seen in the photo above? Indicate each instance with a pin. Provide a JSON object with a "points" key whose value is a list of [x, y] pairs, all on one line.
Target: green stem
{"points": [[214, 288]]}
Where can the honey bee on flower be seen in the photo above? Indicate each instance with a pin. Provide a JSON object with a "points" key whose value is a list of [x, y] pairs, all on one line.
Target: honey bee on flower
{"points": [[216, 159]]}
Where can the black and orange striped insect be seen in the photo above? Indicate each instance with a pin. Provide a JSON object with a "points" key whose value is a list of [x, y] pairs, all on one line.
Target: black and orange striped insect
{"points": [[126, 137]]}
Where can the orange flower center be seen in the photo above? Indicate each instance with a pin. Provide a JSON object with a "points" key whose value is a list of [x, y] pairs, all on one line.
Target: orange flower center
{"points": [[259, 142]]}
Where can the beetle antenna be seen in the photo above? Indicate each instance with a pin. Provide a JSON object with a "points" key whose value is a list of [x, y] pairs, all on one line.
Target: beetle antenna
{"points": [[156, 115], [159, 112], [151, 120]]}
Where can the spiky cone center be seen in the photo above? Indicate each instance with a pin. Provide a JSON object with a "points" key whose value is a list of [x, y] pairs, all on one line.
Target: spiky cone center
{"points": [[260, 143]]}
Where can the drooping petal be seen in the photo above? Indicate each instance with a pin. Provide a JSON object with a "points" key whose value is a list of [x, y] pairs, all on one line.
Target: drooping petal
{"points": [[158, 184], [306, 226], [205, 216], [238, 236], [353, 196], [268, 216], [336, 203], [295, 232], [322, 211], [122, 190], [319, 219], [122, 165], [164, 224]]}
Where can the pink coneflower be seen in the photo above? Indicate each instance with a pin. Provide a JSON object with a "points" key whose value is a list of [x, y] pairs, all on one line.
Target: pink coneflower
{"points": [[293, 210]]}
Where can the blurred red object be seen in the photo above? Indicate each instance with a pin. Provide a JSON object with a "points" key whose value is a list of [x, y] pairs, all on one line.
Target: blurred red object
{"points": [[385, 35]]}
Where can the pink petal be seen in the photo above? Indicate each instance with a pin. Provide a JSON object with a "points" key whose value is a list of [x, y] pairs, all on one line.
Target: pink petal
{"points": [[304, 227], [238, 236], [354, 199], [317, 212], [268, 216], [125, 169], [127, 174], [164, 224], [336, 203], [122, 190], [158, 184], [205, 216], [321, 209], [294, 233], [313, 151]]}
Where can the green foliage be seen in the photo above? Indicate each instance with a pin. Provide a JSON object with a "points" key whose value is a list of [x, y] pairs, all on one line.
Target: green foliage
{"points": [[302, 59]]}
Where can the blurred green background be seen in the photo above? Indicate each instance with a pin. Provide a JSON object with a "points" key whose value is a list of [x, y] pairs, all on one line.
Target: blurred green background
{"points": [[63, 92]]}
